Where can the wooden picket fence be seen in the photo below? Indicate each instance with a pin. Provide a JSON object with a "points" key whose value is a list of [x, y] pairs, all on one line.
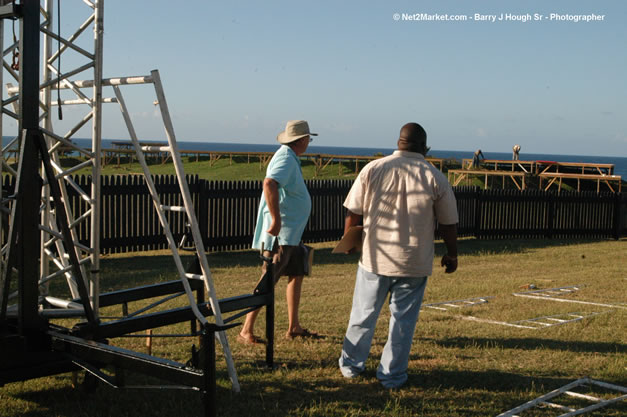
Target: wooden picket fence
{"points": [[227, 212]]}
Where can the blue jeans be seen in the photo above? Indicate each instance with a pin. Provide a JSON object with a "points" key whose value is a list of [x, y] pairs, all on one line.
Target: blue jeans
{"points": [[371, 290]]}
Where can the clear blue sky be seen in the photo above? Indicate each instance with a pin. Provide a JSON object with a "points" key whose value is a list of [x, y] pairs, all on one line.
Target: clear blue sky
{"points": [[236, 71]]}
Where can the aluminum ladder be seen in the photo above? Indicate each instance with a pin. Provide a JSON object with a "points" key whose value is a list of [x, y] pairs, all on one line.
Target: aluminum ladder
{"points": [[187, 209]]}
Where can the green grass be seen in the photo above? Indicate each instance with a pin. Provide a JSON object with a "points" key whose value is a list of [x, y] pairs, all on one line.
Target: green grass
{"points": [[242, 168], [457, 367]]}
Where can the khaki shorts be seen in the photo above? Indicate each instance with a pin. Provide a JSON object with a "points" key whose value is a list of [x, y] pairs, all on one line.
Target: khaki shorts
{"points": [[287, 260]]}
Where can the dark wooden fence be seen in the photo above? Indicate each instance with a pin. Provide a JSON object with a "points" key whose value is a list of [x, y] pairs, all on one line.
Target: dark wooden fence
{"points": [[507, 214], [227, 211]]}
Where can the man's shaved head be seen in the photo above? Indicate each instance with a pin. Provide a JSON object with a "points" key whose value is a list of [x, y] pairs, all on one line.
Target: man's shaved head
{"points": [[412, 138]]}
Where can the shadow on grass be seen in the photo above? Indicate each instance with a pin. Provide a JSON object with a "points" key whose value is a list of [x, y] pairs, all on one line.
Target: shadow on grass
{"points": [[324, 256], [108, 401], [440, 392], [468, 247], [137, 270], [279, 393], [533, 344], [499, 247]]}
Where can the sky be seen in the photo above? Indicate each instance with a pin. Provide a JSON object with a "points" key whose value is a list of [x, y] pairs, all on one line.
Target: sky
{"points": [[237, 71]]}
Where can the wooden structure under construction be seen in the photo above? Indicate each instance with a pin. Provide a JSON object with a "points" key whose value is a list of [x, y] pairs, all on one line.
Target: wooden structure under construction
{"points": [[549, 173], [321, 161]]}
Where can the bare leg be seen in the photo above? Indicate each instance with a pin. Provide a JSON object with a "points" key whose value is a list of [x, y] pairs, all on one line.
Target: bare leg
{"points": [[248, 329], [292, 292]]}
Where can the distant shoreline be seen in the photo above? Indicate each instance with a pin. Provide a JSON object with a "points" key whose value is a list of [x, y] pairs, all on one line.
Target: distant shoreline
{"points": [[620, 163]]}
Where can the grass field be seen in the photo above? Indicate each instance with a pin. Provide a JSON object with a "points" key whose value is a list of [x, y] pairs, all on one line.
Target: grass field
{"points": [[240, 168], [458, 367]]}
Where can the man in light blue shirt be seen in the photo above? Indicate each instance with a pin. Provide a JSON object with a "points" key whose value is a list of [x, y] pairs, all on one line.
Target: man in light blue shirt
{"points": [[284, 177], [283, 214]]}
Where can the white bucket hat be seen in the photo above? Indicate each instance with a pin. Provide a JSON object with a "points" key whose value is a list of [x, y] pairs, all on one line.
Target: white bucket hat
{"points": [[294, 130]]}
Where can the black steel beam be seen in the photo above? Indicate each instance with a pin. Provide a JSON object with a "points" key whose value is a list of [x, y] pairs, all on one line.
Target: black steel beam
{"points": [[29, 184], [209, 395], [102, 354], [11, 257], [37, 365], [29, 357], [25, 248], [147, 291], [164, 318], [29, 64], [267, 287]]}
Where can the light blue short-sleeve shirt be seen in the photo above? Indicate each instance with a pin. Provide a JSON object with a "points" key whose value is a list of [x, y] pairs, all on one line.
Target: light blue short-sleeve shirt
{"points": [[294, 201]]}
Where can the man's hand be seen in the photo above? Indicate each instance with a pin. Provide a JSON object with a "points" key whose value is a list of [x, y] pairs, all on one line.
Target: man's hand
{"points": [[449, 235], [271, 193], [351, 220], [450, 263], [275, 226]]}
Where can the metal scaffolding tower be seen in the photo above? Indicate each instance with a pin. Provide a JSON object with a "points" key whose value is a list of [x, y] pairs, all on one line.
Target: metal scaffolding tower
{"points": [[40, 231], [88, 63]]}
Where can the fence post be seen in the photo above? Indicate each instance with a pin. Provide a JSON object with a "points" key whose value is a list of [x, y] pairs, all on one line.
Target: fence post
{"points": [[618, 203], [551, 201], [203, 210], [478, 207]]}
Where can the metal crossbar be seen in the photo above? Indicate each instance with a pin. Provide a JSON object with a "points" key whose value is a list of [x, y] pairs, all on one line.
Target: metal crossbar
{"points": [[550, 292], [553, 294], [537, 322], [556, 320], [468, 302], [566, 390]]}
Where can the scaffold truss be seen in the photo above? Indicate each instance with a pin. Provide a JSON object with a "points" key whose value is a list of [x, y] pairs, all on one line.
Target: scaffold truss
{"points": [[40, 230], [568, 390], [555, 294]]}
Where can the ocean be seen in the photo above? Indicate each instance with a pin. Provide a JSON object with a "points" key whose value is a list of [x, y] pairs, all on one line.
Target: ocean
{"points": [[620, 163]]}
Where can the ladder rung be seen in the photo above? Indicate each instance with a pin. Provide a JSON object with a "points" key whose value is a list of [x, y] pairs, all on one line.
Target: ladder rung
{"points": [[194, 276], [536, 322], [156, 148], [60, 303], [558, 406], [173, 208], [584, 396]]}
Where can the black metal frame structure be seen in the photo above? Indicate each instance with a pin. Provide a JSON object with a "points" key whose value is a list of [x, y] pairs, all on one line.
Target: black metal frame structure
{"points": [[30, 345]]}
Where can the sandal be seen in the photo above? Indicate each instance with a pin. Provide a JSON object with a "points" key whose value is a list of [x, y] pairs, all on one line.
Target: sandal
{"points": [[304, 334], [252, 340]]}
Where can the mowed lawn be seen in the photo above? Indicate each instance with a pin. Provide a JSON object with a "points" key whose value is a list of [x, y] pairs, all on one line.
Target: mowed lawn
{"points": [[465, 361]]}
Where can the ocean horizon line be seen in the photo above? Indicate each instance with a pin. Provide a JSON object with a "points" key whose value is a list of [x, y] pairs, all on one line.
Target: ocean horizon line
{"points": [[619, 162], [314, 145]]}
